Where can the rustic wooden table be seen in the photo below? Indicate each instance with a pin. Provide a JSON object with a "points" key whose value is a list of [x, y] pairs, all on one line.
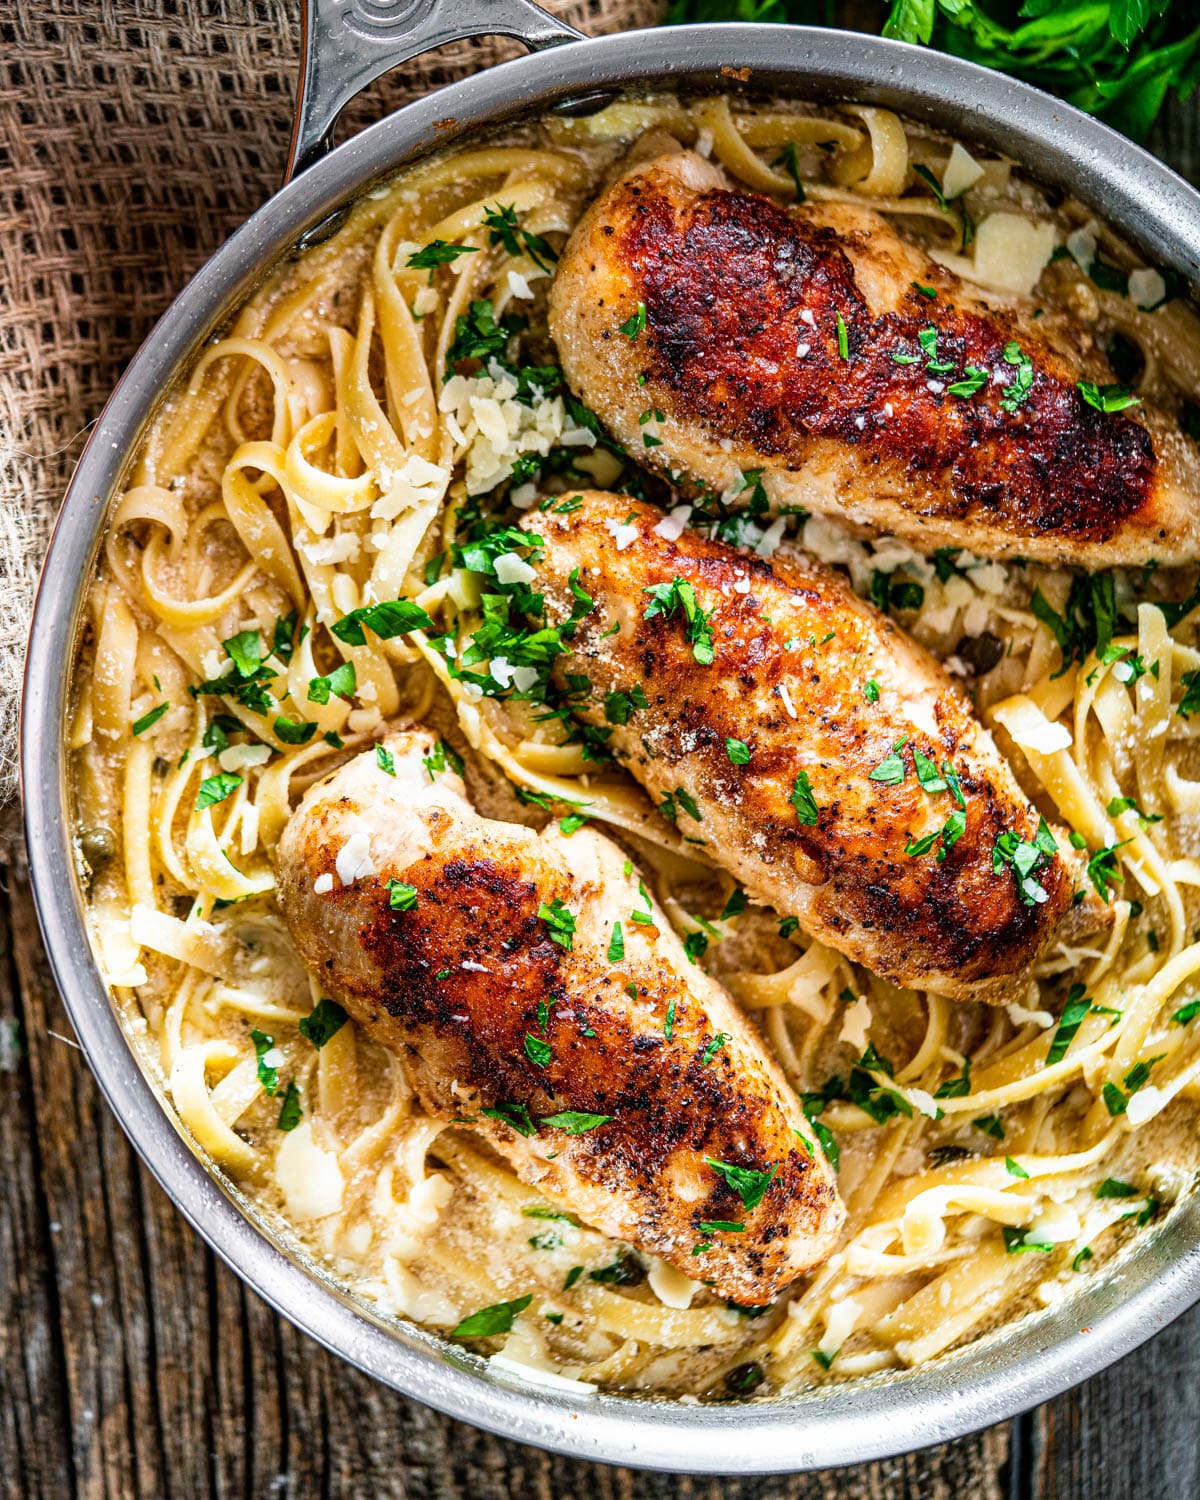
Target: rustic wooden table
{"points": [[133, 1364]]}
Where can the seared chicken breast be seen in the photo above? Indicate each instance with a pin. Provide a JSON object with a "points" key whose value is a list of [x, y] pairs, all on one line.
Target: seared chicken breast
{"points": [[800, 342], [535, 991], [812, 748]]}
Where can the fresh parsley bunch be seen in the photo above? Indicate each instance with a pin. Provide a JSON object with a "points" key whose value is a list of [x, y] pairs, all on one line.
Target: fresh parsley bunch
{"points": [[1118, 59]]}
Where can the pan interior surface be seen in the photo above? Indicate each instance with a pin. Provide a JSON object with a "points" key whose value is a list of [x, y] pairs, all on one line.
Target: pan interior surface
{"points": [[831, 1425]]}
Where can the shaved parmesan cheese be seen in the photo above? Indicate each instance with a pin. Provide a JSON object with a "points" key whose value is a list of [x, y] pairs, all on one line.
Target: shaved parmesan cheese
{"points": [[354, 860], [343, 547], [1081, 245], [524, 678], [239, 757], [1056, 1224], [1030, 728], [771, 538], [1011, 252], [323, 884], [856, 1025], [1146, 288], [518, 285], [309, 1178], [414, 483], [672, 527], [623, 535], [1144, 1105], [962, 172], [513, 569], [839, 1325], [671, 1287]]}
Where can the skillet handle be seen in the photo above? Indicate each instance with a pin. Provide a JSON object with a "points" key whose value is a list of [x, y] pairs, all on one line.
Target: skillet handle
{"points": [[347, 44]]}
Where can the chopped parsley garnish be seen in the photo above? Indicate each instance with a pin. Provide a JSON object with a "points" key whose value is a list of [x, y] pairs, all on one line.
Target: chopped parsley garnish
{"points": [[1016, 393], [803, 801], [505, 230], [667, 599], [401, 897], [871, 691], [616, 944], [489, 1321], [477, 335], [294, 731], [634, 324], [925, 291], [1186, 1013], [214, 789], [669, 1021], [1017, 1241], [843, 342], [441, 756], [788, 159], [386, 620], [738, 751], [735, 906], [325, 1020], [1103, 870], [720, 1226], [148, 720], [695, 945], [890, 771], [575, 1122], [1082, 1258], [618, 707], [1024, 858], [291, 1109], [1113, 1187], [990, 1125], [385, 760], [516, 1116], [268, 1073], [437, 253], [928, 339], [712, 1049], [1015, 1169], [1107, 398], [245, 650], [339, 683], [1069, 1022], [788, 926], [747, 1182], [537, 1051], [973, 380], [560, 920]]}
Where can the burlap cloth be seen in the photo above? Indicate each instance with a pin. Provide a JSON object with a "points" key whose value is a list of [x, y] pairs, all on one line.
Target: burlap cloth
{"points": [[135, 135]]}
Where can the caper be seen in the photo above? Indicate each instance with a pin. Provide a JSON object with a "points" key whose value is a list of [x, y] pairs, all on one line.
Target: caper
{"points": [[98, 846], [745, 1379], [981, 652]]}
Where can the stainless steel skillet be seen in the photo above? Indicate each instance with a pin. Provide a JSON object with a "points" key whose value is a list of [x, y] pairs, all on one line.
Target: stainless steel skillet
{"points": [[347, 43]]}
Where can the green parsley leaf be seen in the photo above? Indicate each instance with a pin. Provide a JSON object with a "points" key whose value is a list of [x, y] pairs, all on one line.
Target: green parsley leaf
{"points": [[490, 1321], [387, 621], [973, 381], [214, 789], [720, 1226], [1103, 870], [574, 1122], [268, 1073], [891, 770], [437, 253], [1015, 1169], [871, 691], [747, 1182], [1107, 398], [401, 897], [789, 159], [148, 720], [802, 799], [1069, 1022], [516, 1116], [1016, 1241], [616, 944], [560, 920], [1112, 1187], [843, 342], [669, 1022], [634, 324], [324, 1021], [713, 1048], [537, 1051], [695, 945], [990, 1125], [294, 731], [1082, 1258], [245, 650], [738, 751], [339, 683], [291, 1109], [385, 760]]}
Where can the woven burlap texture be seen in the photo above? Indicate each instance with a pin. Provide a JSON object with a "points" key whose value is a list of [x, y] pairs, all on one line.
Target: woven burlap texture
{"points": [[134, 137]]}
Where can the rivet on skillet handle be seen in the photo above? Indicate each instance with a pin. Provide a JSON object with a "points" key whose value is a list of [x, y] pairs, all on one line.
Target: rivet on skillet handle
{"points": [[347, 44]]}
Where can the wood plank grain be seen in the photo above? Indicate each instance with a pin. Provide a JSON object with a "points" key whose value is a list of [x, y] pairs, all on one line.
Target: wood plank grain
{"points": [[141, 1367]]}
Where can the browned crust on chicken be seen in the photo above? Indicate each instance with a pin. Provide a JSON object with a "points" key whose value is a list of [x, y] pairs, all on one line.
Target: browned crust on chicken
{"points": [[725, 277], [954, 925], [457, 985]]}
